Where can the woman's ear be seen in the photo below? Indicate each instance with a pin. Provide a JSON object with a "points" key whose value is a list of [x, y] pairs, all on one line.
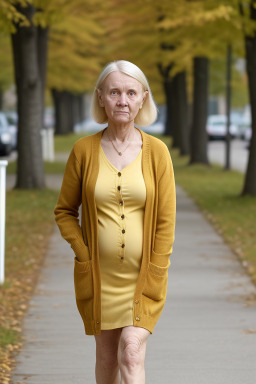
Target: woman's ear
{"points": [[145, 95], [100, 98]]}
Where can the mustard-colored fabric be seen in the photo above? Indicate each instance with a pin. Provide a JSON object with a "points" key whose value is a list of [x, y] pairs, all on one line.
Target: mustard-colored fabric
{"points": [[78, 187], [120, 202]]}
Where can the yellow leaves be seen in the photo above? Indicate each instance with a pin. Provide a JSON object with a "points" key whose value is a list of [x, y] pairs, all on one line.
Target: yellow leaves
{"points": [[9, 15], [6, 368], [74, 48], [250, 331], [197, 16], [30, 236]]}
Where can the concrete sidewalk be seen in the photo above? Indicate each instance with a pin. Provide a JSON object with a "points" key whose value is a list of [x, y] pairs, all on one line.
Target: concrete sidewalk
{"points": [[206, 334]]}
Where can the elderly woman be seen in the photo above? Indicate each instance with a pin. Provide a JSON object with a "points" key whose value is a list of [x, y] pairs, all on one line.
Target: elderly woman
{"points": [[124, 180]]}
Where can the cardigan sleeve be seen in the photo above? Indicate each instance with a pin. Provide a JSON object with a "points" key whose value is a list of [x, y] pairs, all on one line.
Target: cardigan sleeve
{"points": [[66, 210], [166, 211]]}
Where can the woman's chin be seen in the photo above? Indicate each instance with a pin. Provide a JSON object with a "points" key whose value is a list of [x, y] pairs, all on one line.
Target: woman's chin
{"points": [[122, 118]]}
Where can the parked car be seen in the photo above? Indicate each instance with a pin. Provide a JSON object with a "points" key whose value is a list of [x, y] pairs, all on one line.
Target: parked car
{"points": [[245, 129], [5, 136], [217, 127], [12, 118]]}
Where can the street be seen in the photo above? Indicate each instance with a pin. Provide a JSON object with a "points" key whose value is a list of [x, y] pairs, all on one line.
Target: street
{"points": [[239, 154]]}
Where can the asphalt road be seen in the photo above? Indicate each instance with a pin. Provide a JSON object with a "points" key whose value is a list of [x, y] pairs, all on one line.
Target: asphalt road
{"points": [[238, 154]]}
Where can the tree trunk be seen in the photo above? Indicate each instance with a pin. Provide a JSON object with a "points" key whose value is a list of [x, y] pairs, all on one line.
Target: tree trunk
{"points": [[198, 135], [1, 99], [169, 95], [250, 45], [75, 109], [30, 170], [168, 117], [82, 107], [42, 50], [63, 112], [174, 113], [182, 113]]}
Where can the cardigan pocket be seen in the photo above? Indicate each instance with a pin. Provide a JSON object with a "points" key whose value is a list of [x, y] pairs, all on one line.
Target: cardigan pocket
{"points": [[156, 282], [83, 279]]}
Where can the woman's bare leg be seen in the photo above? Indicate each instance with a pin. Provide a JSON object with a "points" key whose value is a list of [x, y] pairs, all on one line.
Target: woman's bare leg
{"points": [[106, 369], [131, 354]]}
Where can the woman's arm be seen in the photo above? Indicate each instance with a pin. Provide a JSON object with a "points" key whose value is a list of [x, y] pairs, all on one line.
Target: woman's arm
{"points": [[66, 210], [166, 211]]}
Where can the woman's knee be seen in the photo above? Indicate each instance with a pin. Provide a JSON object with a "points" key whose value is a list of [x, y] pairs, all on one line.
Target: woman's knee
{"points": [[132, 348]]}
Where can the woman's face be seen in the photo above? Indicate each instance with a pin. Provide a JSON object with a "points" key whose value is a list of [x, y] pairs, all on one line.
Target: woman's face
{"points": [[122, 96]]}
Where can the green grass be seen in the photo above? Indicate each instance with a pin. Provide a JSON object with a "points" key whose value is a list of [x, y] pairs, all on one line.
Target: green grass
{"points": [[218, 194], [56, 167], [8, 337], [29, 219], [64, 143], [29, 224]]}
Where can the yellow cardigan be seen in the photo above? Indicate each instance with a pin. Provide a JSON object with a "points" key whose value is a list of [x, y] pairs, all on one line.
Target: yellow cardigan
{"points": [[158, 234]]}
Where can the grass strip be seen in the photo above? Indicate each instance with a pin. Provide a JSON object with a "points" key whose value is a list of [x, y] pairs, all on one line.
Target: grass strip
{"points": [[64, 143], [56, 167], [29, 224], [217, 194]]}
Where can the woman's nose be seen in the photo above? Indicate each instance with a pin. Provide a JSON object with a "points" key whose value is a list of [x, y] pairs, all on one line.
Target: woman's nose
{"points": [[122, 99]]}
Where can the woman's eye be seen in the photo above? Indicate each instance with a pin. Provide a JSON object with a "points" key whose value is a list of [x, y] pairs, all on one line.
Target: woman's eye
{"points": [[114, 93], [131, 93]]}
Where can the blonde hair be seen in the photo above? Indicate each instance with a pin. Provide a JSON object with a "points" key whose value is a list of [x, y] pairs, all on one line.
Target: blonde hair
{"points": [[146, 115]]}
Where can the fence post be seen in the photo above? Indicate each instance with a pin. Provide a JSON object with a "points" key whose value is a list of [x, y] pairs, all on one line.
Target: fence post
{"points": [[50, 132], [47, 135], [3, 165]]}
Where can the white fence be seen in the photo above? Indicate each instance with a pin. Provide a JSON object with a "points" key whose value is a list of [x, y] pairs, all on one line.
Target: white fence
{"points": [[3, 165], [48, 144]]}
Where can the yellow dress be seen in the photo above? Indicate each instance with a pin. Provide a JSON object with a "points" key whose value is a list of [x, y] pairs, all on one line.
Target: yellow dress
{"points": [[120, 199]]}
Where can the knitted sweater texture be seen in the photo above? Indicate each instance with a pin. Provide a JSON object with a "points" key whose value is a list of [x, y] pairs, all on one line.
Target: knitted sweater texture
{"points": [[78, 188]]}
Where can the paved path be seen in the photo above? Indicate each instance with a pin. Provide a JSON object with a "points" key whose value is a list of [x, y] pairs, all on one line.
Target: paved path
{"points": [[206, 334]]}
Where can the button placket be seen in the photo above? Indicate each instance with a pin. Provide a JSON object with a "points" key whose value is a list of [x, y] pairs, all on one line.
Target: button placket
{"points": [[122, 216]]}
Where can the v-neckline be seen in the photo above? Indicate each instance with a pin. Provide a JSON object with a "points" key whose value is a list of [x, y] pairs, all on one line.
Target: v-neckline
{"points": [[113, 167]]}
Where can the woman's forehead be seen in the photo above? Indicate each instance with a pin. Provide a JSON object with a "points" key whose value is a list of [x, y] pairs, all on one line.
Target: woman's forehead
{"points": [[116, 79]]}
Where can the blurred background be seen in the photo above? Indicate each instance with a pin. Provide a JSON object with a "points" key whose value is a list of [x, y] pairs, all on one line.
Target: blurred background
{"points": [[193, 53], [200, 60]]}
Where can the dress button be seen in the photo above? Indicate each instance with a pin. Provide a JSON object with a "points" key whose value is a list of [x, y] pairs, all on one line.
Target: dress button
{"points": [[122, 217], [137, 319], [136, 301], [118, 187], [121, 203], [119, 173], [123, 230], [123, 245], [97, 322]]}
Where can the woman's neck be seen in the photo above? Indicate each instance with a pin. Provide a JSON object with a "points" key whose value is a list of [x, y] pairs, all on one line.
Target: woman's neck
{"points": [[120, 132]]}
